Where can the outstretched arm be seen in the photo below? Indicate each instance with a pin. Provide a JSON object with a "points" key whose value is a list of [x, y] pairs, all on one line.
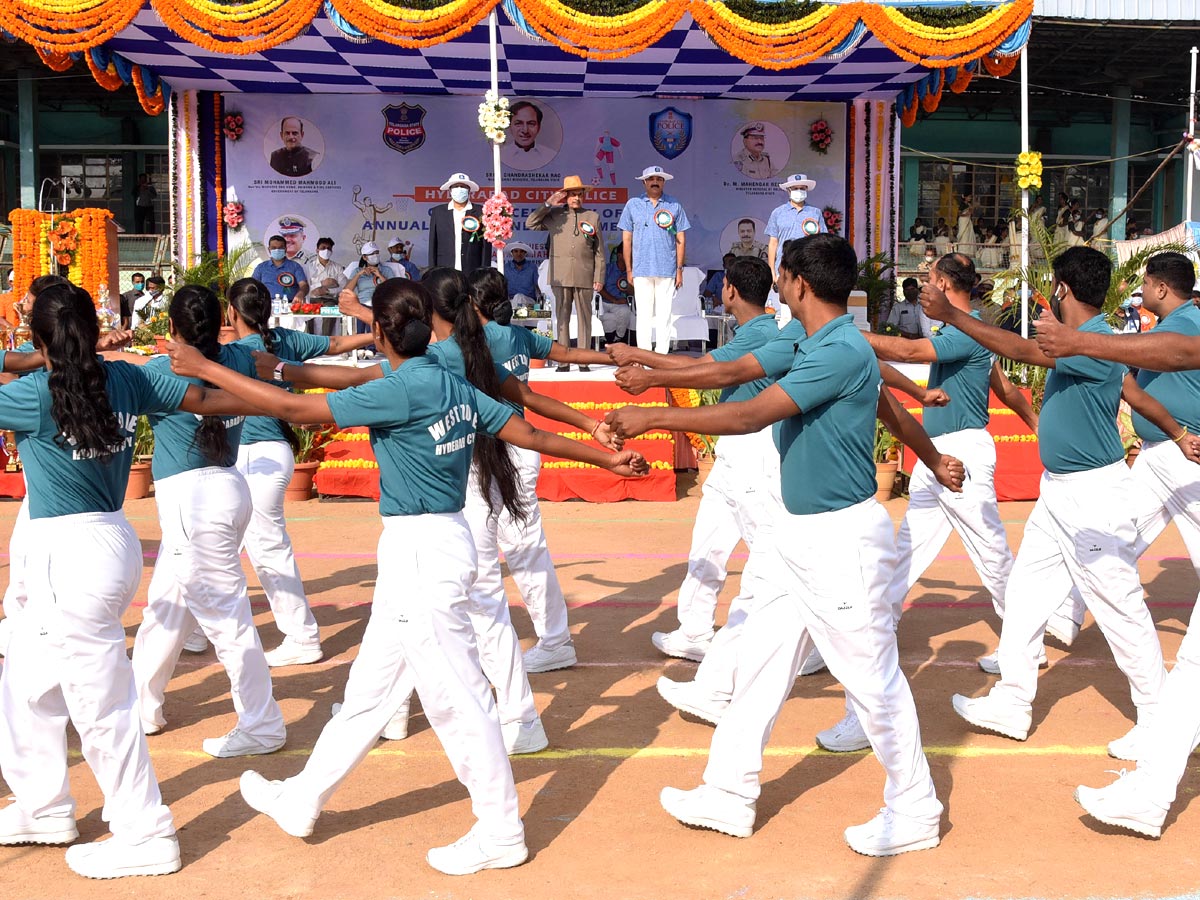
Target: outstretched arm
{"points": [[578, 355], [745, 417], [625, 355], [312, 374], [516, 391], [1155, 350], [894, 378], [1009, 345], [898, 349], [1158, 415], [519, 432], [705, 375], [948, 470], [247, 396], [1010, 395], [344, 343]]}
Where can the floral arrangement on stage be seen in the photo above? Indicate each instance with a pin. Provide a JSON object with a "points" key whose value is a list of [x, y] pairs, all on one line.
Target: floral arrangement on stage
{"points": [[154, 328], [64, 241], [498, 220], [494, 117], [689, 398], [1029, 170], [833, 219], [79, 241], [233, 125], [820, 136], [234, 214]]}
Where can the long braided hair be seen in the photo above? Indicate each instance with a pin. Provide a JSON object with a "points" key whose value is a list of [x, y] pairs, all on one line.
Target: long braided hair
{"points": [[196, 319], [252, 300]]}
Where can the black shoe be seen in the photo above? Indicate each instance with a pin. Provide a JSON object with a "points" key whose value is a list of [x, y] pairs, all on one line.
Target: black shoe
{"points": [[585, 368], [566, 368]]}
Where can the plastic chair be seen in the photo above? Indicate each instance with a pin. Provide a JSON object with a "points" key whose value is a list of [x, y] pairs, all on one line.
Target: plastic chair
{"points": [[687, 316]]}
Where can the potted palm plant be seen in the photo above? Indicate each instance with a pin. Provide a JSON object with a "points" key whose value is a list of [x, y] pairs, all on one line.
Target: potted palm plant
{"points": [[139, 473], [887, 461], [309, 440]]}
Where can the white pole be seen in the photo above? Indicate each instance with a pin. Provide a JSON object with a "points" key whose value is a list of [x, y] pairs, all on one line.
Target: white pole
{"points": [[1025, 193], [1192, 132], [498, 257]]}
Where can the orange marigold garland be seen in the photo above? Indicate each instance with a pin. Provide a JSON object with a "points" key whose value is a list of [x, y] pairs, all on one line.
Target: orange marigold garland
{"points": [[79, 241]]}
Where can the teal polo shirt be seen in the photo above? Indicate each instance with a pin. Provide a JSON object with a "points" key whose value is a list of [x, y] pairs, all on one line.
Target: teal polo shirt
{"points": [[964, 371], [747, 337], [827, 449], [512, 348], [293, 346], [175, 448], [1077, 427], [59, 482], [777, 355], [423, 420], [1179, 392], [448, 354]]}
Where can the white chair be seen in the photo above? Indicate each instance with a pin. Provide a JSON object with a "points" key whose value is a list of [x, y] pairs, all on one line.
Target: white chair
{"points": [[687, 316], [573, 327]]}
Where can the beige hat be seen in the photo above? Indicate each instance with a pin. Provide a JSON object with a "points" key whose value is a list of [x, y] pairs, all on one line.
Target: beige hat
{"points": [[574, 183]]}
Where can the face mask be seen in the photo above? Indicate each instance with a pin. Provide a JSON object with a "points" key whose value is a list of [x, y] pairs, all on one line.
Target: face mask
{"points": [[278, 253], [373, 259], [397, 257], [459, 194], [324, 254], [799, 195], [139, 285]]}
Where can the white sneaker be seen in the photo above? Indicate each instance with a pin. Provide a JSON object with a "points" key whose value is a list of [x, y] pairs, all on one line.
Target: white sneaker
{"points": [[689, 697], [472, 853], [149, 728], [1131, 745], [291, 653], [196, 642], [991, 664], [679, 645], [710, 807], [994, 715], [844, 737], [115, 858], [1123, 804], [524, 737], [266, 797], [538, 659], [18, 828], [1063, 629], [397, 727], [889, 834], [813, 663], [238, 743]]}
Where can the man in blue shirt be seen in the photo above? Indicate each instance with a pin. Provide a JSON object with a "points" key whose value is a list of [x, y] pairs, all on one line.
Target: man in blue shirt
{"points": [[282, 276], [522, 276], [653, 235], [714, 288], [794, 219], [822, 569], [1082, 530]]}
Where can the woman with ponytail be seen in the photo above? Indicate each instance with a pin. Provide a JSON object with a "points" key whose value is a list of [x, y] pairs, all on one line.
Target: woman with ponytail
{"points": [[423, 424], [266, 458], [203, 510], [524, 542], [75, 423]]}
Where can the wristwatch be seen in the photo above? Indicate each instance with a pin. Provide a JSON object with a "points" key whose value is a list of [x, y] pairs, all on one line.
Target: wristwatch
{"points": [[279, 370]]}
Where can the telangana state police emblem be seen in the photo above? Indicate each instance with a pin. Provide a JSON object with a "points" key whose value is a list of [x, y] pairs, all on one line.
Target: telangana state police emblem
{"points": [[403, 127], [670, 131]]}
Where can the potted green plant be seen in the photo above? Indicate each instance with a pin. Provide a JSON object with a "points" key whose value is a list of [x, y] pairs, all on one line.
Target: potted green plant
{"points": [[217, 272], [887, 461], [309, 440], [139, 472]]}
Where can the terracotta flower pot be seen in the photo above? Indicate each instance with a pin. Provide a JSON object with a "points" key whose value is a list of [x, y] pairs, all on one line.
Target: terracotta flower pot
{"points": [[885, 480], [139, 481], [301, 485], [537, 363], [160, 343]]}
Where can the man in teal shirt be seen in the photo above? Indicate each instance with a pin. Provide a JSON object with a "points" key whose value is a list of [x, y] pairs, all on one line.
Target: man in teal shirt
{"points": [[822, 577], [1081, 531]]}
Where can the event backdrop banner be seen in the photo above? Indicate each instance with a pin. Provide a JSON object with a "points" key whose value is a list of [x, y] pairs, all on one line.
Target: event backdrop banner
{"points": [[365, 167]]}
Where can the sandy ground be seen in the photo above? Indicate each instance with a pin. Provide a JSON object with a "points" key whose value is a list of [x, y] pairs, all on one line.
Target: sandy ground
{"points": [[593, 822]]}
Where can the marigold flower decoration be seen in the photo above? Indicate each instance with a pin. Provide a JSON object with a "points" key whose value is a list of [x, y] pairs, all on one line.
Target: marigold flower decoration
{"points": [[1029, 170], [820, 136], [498, 220], [233, 125], [494, 117], [64, 241], [833, 219], [234, 214]]}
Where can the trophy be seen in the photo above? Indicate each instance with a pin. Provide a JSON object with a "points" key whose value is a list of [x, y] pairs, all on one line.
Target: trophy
{"points": [[104, 311], [8, 441], [23, 333]]}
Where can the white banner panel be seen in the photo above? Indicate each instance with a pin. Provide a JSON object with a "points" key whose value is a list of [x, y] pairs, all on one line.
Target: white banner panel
{"points": [[369, 167]]}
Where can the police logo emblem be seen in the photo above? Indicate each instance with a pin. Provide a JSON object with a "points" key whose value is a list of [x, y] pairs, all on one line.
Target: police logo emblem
{"points": [[670, 131], [403, 127]]}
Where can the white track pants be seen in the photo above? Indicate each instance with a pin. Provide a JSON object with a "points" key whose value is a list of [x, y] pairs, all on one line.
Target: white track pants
{"points": [[1171, 491], [933, 511], [198, 578], [1081, 532], [739, 494], [420, 632], [16, 595], [653, 298], [826, 574], [499, 649], [267, 467], [525, 551], [67, 662]]}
